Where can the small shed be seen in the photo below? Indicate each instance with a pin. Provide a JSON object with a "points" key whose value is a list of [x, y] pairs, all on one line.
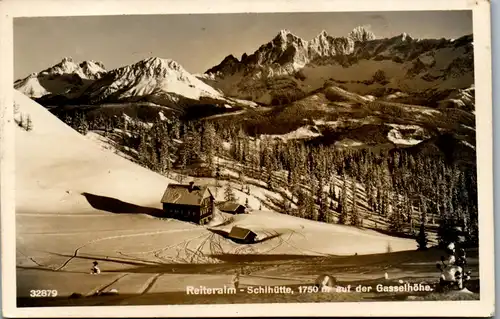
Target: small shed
{"points": [[232, 208], [242, 235]]}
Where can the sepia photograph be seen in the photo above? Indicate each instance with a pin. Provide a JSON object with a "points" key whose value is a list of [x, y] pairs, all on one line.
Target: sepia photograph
{"points": [[248, 158]]}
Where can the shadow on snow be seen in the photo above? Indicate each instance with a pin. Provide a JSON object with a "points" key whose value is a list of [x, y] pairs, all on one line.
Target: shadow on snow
{"points": [[117, 206]]}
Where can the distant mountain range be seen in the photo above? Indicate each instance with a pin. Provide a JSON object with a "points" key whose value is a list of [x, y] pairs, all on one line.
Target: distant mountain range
{"points": [[64, 78], [289, 65], [286, 69]]}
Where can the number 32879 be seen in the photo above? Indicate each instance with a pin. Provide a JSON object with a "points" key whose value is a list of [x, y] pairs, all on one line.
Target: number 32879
{"points": [[43, 293]]}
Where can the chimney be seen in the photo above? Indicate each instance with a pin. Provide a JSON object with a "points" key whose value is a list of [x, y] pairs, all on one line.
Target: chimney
{"points": [[191, 186]]}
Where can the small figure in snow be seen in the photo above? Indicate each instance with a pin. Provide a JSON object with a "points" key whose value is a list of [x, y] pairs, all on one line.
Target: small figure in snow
{"points": [[95, 270], [236, 280]]}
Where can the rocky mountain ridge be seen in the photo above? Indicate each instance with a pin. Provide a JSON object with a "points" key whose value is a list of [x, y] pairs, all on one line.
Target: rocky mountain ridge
{"points": [[359, 62]]}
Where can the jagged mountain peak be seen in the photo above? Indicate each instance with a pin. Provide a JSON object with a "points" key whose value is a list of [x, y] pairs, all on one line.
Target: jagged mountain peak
{"points": [[67, 60], [91, 63], [230, 62], [157, 62], [161, 61], [361, 34], [322, 36], [284, 33], [65, 66], [153, 67], [405, 37], [232, 58], [323, 33], [285, 38], [86, 69]]}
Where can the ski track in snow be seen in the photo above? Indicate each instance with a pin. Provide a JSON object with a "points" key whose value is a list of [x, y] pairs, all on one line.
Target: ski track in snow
{"points": [[75, 254]]}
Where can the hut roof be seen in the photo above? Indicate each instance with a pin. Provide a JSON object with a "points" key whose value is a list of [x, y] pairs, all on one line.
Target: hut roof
{"points": [[229, 206], [185, 194], [240, 232]]}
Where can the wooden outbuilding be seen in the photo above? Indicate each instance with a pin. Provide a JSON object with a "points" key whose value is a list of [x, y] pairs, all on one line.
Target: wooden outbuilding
{"points": [[242, 235], [231, 208]]}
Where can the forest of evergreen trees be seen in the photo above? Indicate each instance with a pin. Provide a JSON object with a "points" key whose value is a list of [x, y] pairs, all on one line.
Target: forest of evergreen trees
{"points": [[411, 192]]}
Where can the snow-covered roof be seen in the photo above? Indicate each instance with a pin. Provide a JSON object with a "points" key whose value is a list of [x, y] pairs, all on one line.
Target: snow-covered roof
{"points": [[240, 232], [185, 194]]}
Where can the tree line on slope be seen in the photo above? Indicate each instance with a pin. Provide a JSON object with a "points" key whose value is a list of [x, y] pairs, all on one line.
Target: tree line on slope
{"points": [[396, 189]]}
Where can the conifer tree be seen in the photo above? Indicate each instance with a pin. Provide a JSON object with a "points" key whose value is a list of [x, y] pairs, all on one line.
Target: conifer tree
{"points": [[229, 193], [269, 181], [68, 120], [29, 123], [342, 207], [143, 152], [217, 178], [333, 195], [82, 126], [284, 205], [355, 219], [396, 218], [422, 237], [241, 180], [165, 164], [209, 144], [183, 158], [310, 209]]}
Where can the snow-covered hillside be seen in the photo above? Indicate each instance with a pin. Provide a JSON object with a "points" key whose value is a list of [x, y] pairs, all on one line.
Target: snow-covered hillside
{"points": [[55, 165]]}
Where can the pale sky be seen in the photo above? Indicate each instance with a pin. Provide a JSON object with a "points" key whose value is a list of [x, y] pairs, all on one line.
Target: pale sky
{"points": [[201, 41]]}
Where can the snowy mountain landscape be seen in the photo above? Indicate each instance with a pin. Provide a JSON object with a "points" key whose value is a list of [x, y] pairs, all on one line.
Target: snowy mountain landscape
{"points": [[289, 67], [351, 155], [66, 77]]}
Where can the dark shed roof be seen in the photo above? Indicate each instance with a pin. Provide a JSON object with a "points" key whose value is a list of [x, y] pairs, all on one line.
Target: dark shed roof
{"points": [[185, 194], [240, 232], [229, 206]]}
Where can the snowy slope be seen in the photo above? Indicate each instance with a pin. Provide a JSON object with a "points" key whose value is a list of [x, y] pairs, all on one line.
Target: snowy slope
{"points": [[55, 164], [461, 98]]}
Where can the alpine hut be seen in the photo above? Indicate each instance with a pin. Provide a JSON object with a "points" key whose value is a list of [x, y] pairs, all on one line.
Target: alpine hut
{"points": [[191, 203]]}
